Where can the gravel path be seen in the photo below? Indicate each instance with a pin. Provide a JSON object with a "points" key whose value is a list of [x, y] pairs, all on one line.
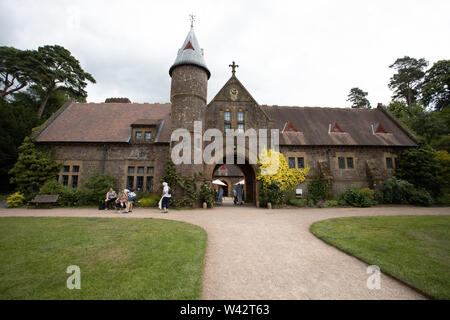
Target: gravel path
{"points": [[270, 254]]}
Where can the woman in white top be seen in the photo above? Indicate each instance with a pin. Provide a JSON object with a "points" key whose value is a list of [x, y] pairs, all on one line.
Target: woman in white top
{"points": [[166, 197]]}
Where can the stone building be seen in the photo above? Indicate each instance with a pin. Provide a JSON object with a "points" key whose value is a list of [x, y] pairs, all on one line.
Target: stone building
{"points": [[132, 141]]}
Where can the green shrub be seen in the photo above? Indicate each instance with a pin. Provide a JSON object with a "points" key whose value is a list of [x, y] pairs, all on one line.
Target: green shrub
{"points": [[151, 201], [271, 193], [311, 203], [318, 189], [421, 168], [402, 192], [320, 204], [358, 197], [52, 187], [207, 195], [331, 203], [33, 168], [15, 200], [73, 197], [298, 202], [97, 186]]}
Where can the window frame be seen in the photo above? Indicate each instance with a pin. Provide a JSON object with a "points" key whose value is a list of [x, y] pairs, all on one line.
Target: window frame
{"points": [[225, 113], [239, 113], [289, 162], [347, 162], [341, 163], [136, 133], [302, 162]]}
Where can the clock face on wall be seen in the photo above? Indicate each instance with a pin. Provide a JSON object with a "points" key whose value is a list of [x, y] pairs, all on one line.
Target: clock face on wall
{"points": [[234, 94]]}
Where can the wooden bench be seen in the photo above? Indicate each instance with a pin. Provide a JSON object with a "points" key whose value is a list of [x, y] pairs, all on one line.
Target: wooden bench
{"points": [[44, 199]]}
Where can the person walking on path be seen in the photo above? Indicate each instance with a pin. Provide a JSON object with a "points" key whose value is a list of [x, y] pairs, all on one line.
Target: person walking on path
{"points": [[165, 200]]}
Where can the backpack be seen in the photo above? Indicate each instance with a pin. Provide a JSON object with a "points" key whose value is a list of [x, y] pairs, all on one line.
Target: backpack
{"points": [[101, 206], [131, 194]]}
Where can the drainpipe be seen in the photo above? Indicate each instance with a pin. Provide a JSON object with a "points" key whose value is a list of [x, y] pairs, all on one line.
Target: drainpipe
{"points": [[329, 158], [104, 158]]}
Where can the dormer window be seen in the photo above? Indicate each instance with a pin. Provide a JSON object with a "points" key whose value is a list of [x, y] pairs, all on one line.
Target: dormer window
{"points": [[145, 130], [378, 128], [335, 128]]}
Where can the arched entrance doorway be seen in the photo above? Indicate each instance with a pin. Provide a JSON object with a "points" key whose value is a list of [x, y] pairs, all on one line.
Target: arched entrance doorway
{"points": [[247, 172]]}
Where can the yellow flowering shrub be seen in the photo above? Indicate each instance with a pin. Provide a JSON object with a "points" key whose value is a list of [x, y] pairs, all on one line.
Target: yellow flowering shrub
{"points": [[15, 200], [273, 167]]}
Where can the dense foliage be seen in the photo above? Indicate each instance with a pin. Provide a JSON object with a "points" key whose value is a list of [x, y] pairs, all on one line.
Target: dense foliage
{"points": [[420, 167], [33, 168], [318, 189], [33, 85], [151, 200], [97, 186], [271, 192], [274, 168], [402, 192], [207, 195], [358, 197], [184, 190]]}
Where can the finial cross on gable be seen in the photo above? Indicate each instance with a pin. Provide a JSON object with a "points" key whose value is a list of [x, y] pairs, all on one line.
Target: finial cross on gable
{"points": [[192, 17], [233, 67]]}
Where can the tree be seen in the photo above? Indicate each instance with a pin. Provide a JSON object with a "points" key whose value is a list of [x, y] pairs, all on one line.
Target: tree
{"points": [[16, 70], [34, 95], [16, 122], [436, 86], [358, 98], [274, 168], [59, 70], [420, 167], [429, 125], [33, 168], [406, 83]]}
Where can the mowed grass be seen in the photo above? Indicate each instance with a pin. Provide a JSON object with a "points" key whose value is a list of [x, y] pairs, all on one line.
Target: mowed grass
{"points": [[415, 249], [118, 258]]}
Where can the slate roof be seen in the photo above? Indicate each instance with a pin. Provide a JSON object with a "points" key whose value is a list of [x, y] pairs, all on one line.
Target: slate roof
{"points": [[190, 53], [313, 126], [112, 122], [104, 122]]}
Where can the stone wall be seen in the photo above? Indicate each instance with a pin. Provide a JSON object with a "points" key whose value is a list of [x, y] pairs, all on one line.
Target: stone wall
{"points": [[369, 165], [114, 159]]}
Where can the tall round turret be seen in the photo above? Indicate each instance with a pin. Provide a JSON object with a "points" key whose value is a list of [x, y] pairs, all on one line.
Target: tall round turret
{"points": [[188, 95], [189, 85]]}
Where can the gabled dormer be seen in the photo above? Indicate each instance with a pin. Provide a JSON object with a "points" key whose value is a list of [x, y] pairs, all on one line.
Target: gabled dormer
{"points": [[145, 131], [335, 128], [378, 128]]}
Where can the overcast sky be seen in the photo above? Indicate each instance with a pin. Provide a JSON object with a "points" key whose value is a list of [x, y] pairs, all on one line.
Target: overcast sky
{"points": [[298, 53]]}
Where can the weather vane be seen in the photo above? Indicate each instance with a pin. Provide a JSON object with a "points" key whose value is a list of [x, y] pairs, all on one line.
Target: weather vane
{"points": [[233, 67], [192, 17]]}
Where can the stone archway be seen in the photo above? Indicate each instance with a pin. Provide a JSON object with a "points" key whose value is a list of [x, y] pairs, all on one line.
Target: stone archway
{"points": [[249, 172]]}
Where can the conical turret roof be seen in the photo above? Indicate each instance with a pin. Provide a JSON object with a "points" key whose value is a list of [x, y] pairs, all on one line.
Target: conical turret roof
{"points": [[190, 53]]}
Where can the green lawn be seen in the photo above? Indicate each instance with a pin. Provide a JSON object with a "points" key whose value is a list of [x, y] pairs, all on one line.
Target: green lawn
{"points": [[118, 258], [415, 249]]}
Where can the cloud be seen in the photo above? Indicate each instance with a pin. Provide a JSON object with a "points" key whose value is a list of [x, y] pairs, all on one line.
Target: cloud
{"points": [[289, 52]]}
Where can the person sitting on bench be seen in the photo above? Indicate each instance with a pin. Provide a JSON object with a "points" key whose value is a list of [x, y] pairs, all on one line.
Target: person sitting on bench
{"points": [[111, 197]]}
